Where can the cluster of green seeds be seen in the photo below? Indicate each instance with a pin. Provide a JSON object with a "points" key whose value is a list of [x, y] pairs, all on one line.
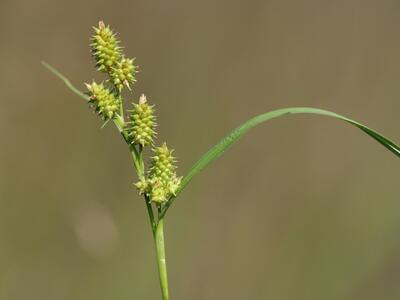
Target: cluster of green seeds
{"points": [[123, 73], [142, 123], [105, 103], [105, 48], [161, 181], [111, 60]]}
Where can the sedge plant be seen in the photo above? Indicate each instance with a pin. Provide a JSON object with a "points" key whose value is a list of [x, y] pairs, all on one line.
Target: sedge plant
{"points": [[159, 183]]}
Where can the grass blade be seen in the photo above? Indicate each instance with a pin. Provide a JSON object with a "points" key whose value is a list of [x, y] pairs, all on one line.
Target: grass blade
{"points": [[231, 138], [66, 80]]}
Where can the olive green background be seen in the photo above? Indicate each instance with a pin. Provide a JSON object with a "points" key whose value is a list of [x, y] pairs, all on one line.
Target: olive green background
{"points": [[303, 207]]}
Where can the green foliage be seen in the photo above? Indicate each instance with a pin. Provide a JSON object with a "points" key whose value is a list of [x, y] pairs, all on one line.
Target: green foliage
{"points": [[160, 185], [237, 133]]}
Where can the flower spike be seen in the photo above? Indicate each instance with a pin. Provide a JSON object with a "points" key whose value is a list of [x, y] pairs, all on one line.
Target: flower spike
{"points": [[105, 48], [162, 182], [123, 73], [105, 103], [141, 127]]}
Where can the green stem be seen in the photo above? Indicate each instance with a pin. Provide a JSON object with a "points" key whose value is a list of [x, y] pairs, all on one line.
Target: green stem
{"points": [[157, 227], [162, 265], [137, 157], [151, 214]]}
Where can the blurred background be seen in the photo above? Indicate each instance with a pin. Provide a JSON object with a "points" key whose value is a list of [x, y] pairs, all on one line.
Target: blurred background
{"points": [[303, 207]]}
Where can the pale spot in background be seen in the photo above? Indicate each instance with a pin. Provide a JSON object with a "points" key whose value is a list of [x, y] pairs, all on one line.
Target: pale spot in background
{"points": [[95, 230]]}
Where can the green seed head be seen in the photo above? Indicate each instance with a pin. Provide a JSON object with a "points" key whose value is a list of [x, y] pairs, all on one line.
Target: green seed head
{"points": [[141, 127], [158, 194], [123, 73], [104, 102], [162, 164], [143, 185], [163, 181], [105, 48]]}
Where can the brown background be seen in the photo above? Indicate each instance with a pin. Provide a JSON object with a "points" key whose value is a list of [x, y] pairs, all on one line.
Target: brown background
{"points": [[304, 207]]}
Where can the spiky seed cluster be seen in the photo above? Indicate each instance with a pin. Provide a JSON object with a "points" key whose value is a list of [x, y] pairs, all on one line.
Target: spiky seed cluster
{"points": [[105, 103], [105, 48], [123, 73], [141, 127], [162, 181], [110, 59], [162, 164]]}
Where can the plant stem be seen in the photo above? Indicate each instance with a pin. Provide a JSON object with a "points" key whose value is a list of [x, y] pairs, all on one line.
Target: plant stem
{"points": [[151, 214], [162, 265], [138, 163], [157, 227]]}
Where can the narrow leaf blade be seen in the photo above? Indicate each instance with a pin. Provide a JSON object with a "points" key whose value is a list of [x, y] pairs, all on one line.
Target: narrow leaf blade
{"points": [[231, 138], [65, 80], [235, 135]]}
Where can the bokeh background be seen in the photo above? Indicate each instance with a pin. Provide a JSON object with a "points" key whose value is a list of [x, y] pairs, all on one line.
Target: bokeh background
{"points": [[304, 207]]}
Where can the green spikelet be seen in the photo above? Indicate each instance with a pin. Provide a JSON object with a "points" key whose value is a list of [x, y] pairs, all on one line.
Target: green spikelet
{"points": [[141, 127], [158, 194], [104, 102], [105, 48], [123, 73], [162, 182], [143, 185]]}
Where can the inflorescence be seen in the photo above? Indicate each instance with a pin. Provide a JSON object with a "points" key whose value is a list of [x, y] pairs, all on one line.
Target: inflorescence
{"points": [[160, 182]]}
